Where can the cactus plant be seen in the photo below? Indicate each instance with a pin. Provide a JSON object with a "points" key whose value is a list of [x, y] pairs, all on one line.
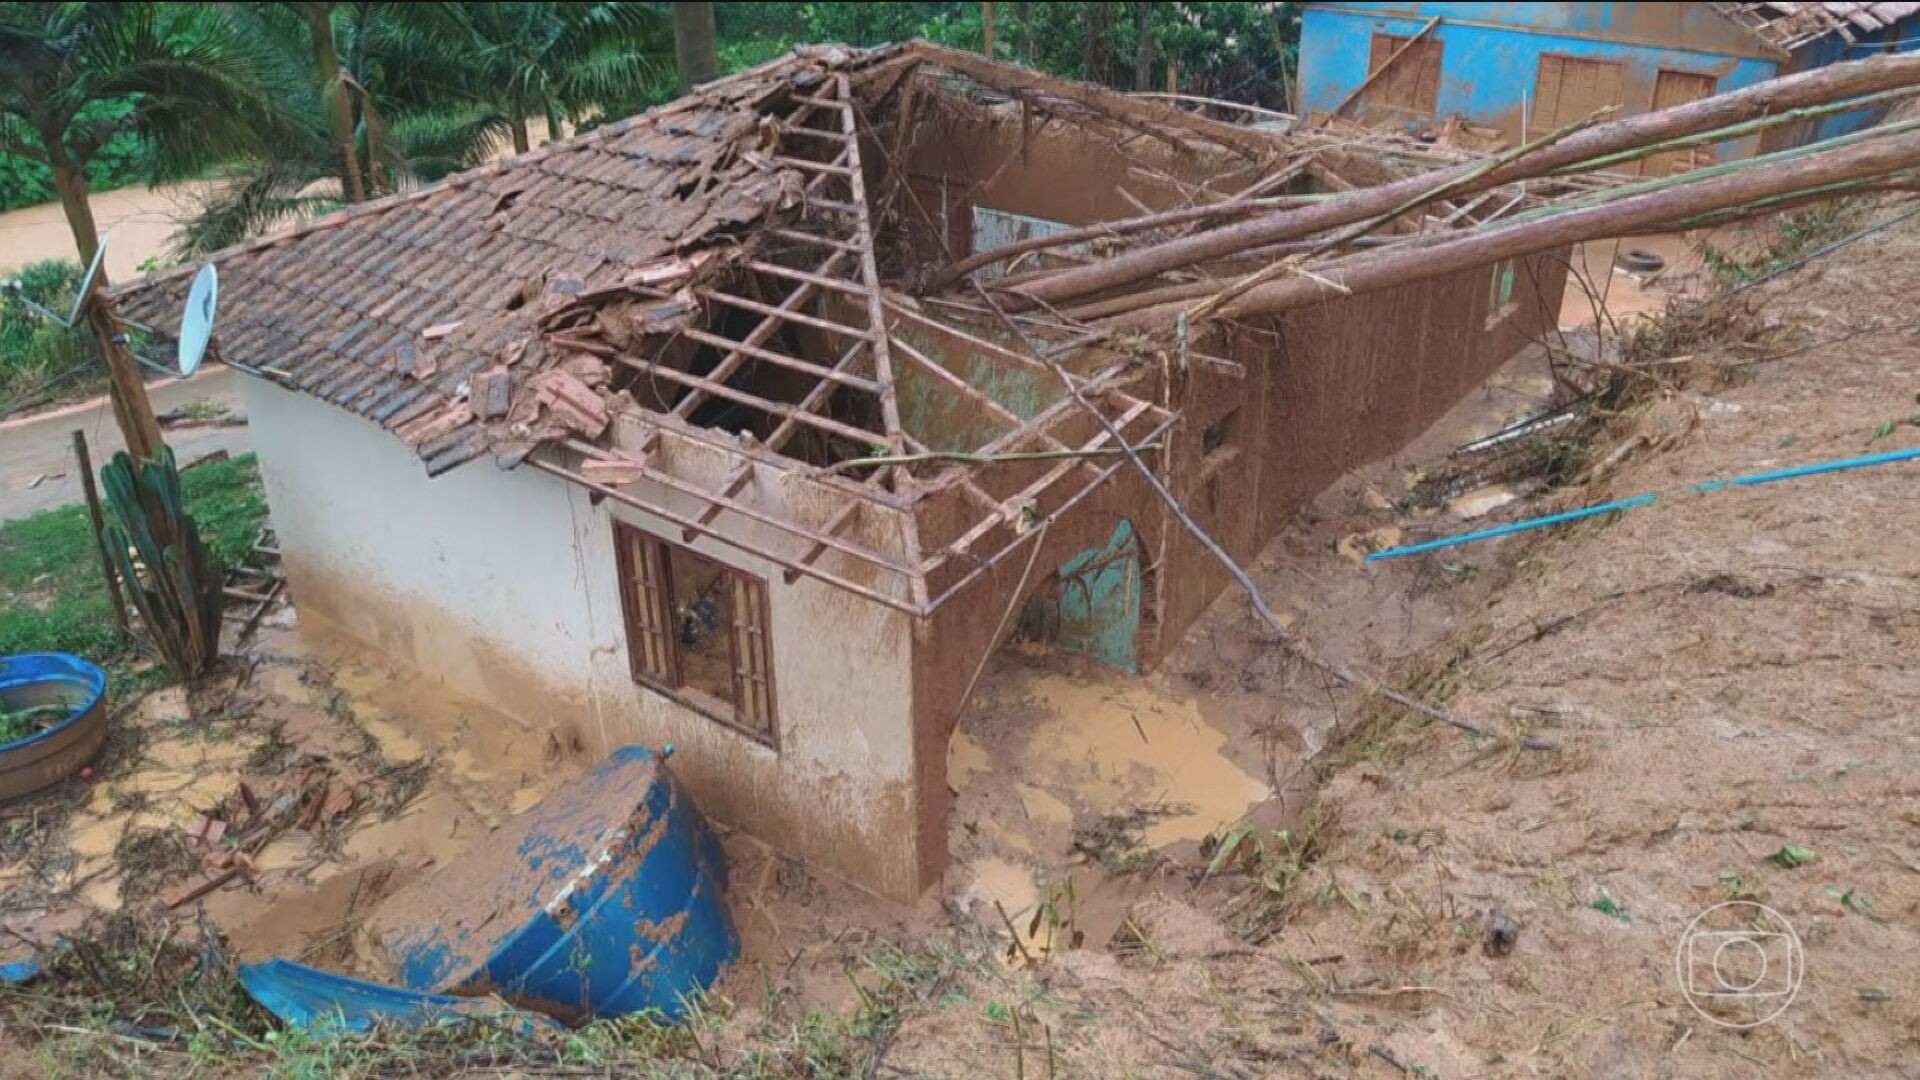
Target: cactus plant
{"points": [[176, 582]]}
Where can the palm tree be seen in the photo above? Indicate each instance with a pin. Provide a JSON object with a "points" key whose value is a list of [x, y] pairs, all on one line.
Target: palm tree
{"points": [[74, 75], [561, 61], [68, 71], [407, 121], [317, 16]]}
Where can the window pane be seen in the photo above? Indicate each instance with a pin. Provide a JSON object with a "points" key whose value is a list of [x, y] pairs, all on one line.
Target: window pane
{"points": [[643, 602], [702, 604]]}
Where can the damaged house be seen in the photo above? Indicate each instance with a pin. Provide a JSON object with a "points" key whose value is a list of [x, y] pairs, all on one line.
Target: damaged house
{"points": [[729, 426]]}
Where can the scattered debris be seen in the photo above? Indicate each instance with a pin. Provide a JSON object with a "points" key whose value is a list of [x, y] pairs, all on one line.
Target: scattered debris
{"points": [[1503, 932]]}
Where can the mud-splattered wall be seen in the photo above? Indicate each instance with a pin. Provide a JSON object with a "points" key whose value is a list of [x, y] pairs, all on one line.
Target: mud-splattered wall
{"points": [[1491, 56], [504, 585]]}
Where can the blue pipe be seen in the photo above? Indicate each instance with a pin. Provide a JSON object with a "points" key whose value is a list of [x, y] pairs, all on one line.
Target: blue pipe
{"points": [[1516, 527], [1749, 480]]}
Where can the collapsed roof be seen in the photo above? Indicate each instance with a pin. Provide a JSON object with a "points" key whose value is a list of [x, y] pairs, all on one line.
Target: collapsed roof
{"points": [[1792, 26], [711, 301]]}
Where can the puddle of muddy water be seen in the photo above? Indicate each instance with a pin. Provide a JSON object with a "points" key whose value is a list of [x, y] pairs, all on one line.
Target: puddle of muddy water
{"points": [[1058, 749], [1127, 744]]}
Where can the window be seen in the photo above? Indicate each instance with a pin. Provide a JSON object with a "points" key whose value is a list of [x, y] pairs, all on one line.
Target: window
{"points": [[697, 631], [1412, 84], [1568, 90]]}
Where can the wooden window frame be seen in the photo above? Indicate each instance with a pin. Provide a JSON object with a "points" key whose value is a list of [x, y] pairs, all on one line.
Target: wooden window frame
{"points": [[653, 652]]}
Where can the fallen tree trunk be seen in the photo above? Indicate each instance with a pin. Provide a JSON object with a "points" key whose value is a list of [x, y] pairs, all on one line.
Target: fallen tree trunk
{"points": [[1895, 159], [1238, 206], [1135, 301], [1848, 80]]}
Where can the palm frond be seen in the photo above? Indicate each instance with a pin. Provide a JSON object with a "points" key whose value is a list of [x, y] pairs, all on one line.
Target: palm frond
{"points": [[255, 201], [16, 137], [432, 146]]}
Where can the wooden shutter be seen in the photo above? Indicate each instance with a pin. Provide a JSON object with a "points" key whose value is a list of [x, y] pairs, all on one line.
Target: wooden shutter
{"points": [[752, 656], [1569, 89], [1413, 83], [643, 601], [1672, 88]]}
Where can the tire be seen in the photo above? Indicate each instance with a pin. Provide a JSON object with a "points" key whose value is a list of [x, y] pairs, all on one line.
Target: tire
{"points": [[1640, 261]]}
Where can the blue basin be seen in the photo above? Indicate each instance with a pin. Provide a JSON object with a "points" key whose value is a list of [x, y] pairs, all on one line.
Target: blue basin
{"points": [[51, 755]]}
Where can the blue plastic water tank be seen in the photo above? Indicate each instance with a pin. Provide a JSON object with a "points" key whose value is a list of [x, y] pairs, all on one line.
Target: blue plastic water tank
{"points": [[607, 898]]}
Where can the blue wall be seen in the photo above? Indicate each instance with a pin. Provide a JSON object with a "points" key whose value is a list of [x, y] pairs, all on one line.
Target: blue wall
{"points": [[1488, 71]]}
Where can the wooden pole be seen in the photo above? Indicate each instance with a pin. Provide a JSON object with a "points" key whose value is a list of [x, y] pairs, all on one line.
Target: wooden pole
{"points": [[1852, 79], [85, 463], [986, 30], [1353, 95], [1106, 230]]}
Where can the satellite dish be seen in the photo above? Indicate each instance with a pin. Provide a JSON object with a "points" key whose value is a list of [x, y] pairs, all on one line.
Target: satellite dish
{"points": [[196, 322], [86, 282]]}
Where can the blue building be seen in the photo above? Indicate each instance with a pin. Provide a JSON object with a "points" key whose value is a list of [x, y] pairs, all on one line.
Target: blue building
{"points": [[1509, 72]]}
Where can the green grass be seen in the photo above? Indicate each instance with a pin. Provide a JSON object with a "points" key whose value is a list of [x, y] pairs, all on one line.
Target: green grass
{"points": [[77, 1017], [55, 599], [42, 361]]}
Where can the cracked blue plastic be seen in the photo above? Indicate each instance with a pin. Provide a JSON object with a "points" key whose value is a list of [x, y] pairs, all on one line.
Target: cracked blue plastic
{"points": [[320, 1001], [612, 902]]}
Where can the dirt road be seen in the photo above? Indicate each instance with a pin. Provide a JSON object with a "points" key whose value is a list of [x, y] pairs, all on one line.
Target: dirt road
{"points": [[41, 446], [140, 221]]}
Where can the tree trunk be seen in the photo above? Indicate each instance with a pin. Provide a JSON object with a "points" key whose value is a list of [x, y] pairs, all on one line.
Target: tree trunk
{"points": [[131, 409], [693, 46], [986, 30], [1832, 83], [1623, 217], [70, 181], [517, 123], [1094, 53], [339, 111], [1143, 46]]}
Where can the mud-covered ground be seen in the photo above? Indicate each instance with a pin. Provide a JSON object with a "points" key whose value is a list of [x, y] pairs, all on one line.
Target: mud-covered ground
{"points": [[1232, 867], [1730, 679]]}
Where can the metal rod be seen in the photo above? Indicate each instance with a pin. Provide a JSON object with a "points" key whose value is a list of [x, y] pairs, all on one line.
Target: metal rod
{"points": [[689, 523]]}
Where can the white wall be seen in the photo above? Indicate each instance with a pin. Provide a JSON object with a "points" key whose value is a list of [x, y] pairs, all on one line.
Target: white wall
{"points": [[503, 584]]}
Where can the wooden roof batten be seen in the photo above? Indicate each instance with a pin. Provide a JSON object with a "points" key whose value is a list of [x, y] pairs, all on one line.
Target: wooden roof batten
{"points": [[830, 254]]}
